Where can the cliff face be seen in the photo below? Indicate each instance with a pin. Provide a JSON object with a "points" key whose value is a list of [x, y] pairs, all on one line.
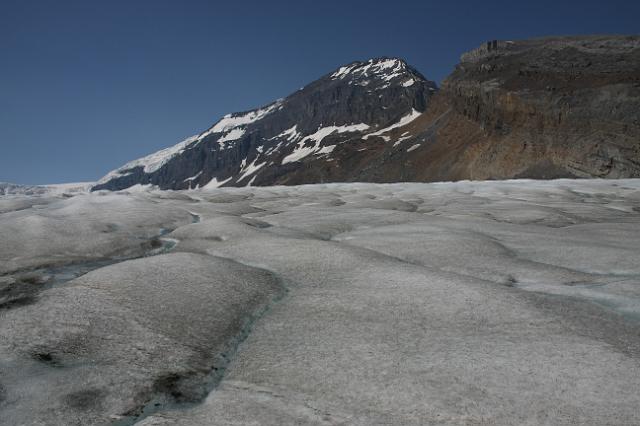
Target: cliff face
{"points": [[555, 107], [544, 108]]}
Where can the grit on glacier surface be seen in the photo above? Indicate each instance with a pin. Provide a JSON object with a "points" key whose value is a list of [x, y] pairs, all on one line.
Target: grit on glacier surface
{"points": [[512, 302]]}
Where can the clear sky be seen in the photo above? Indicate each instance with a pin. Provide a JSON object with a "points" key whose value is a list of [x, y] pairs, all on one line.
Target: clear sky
{"points": [[86, 86]]}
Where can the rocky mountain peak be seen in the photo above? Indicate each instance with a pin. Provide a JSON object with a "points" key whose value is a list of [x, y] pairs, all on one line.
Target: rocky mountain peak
{"points": [[282, 138], [387, 70]]}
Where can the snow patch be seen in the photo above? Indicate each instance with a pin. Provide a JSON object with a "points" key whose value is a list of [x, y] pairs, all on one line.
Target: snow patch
{"points": [[140, 188], [232, 135], [403, 122], [250, 169], [403, 138], [193, 177], [302, 151], [273, 148], [299, 153], [385, 69], [323, 132], [327, 149], [289, 134], [343, 71], [231, 122], [214, 183]]}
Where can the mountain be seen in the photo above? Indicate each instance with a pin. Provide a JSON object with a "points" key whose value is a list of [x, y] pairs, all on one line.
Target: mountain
{"points": [[542, 108], [316, 134], [7, 189]]}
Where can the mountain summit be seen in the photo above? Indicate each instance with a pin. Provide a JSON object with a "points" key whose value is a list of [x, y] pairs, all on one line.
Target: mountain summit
{"points": [[543, 108]]}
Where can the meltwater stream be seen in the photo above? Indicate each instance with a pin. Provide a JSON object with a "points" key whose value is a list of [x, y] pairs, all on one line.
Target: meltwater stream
{"points": [[29, 283]]}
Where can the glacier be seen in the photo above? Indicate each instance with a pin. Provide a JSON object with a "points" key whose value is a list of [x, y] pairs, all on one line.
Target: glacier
{"points": [[497, 302]]}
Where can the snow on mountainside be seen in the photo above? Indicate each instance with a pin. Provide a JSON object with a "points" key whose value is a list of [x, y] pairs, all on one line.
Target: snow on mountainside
{"points": [[387, 70], [231, 126], [295, 136], [401, 123], [301, 150], [151, 162], [231, 122]]}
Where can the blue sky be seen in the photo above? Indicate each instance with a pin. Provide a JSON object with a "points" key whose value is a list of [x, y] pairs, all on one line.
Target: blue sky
{"points": [[86, 86]]}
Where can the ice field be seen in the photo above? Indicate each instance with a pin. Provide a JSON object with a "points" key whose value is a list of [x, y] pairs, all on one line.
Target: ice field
{"points": [[508, 302]]}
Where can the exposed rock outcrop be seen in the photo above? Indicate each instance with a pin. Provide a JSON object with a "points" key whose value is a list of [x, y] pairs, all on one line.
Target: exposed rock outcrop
{"points": [[546, 108]]}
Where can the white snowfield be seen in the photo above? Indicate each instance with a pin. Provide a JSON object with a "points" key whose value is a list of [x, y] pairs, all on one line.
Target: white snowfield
{"points": [[470, 303]]}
